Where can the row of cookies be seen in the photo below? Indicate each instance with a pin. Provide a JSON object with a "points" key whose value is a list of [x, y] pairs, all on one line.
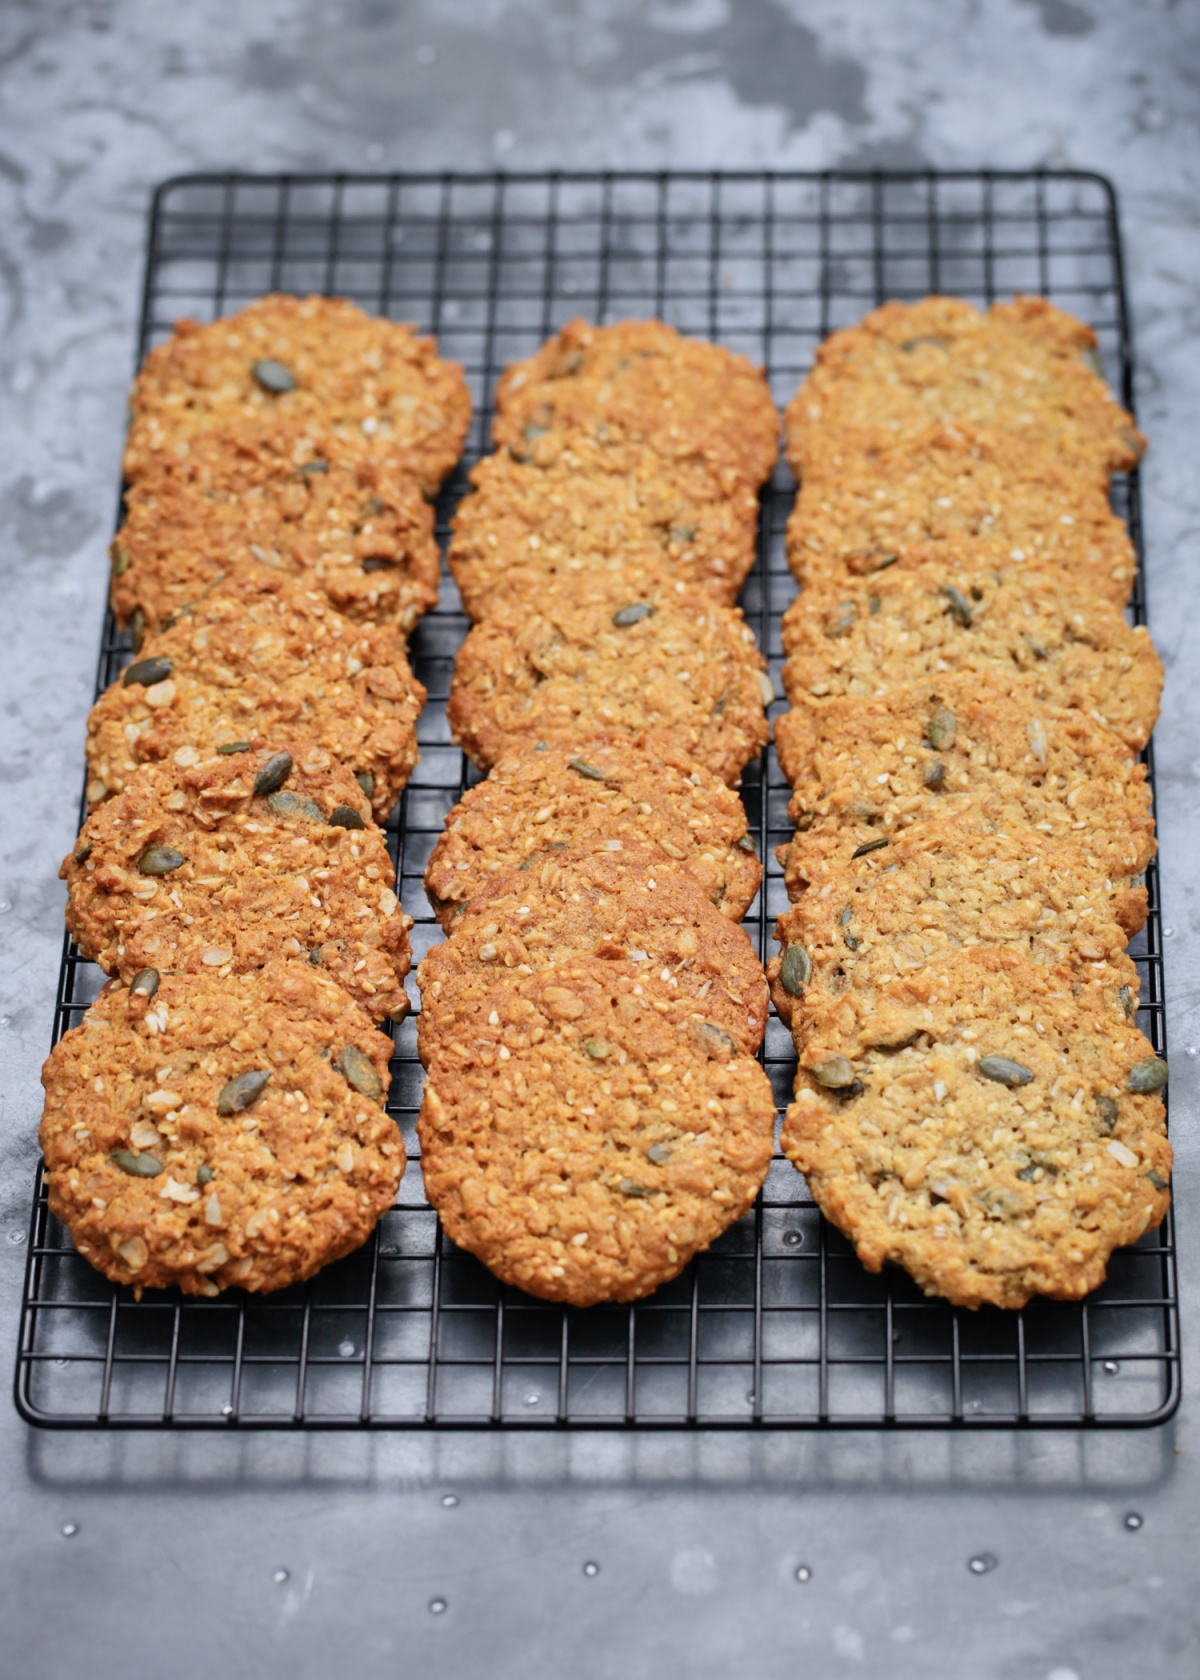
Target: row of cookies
{"points": [[973, 1100], [216, 1118], [593, 1112]]}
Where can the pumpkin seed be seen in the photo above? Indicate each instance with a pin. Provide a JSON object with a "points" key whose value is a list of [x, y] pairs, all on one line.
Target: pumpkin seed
{"points": [[1106, 1111], [1125, 995], [273, 774], [137, 1166], [850, 942], [634, 613], [159, 860], [345, 816], [144, 983], [597, 1048], [925, 338], [933, 773], [795, 970], [373, 506], [243, 1091], [360, 1071], [377, 563], [683, 533], [1005, 1071], [366, 781], [120, 560], [1158, 1181], [288, 804], [582, 768], [959, 609], [835, 1073], [1091, 358], [315, 956], [943, 726], [273, 376], [804, 821], [536, 857], [868, 846], [713, 1040], [1150, 1074], [629, 1188], [659, 1153], [746, 844], [842, 620], [846, 915], [147, 672], [313, 467], [137, 628], [82, 853], [204, 1175], [228, 747]]}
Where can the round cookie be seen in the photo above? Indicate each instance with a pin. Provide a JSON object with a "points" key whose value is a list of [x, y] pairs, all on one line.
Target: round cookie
{"points": [[631, 908], [190, 870], [262, 658], [358, 529], [378, 387], [665, 665], [643, 382], [1023, 367], [994, 1127], [584, 1139], [602, 794], [985, 753], [861, 636], [225, 1130]]}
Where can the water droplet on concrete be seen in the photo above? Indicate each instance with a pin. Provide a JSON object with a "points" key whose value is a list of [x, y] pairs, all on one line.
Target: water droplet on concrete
{"points": [[69, 1529], [1168, 933], [5, 905], [532, 1399], [793, 1239], [449, 1500], [437, 1606], [61, 1364], [983, 1563], [16, 1236], [803, 1573], [591, 1570], [1111, 1367], [1192, 1050], [751, 1397], [1134, 1519], [346, 1349], [279, 1576], [227, 1410]]}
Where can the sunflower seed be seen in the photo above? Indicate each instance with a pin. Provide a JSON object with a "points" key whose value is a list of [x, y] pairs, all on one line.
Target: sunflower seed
{"points": [[634, 613], [120, 560], [925, 338], [1005, 1071], [582, 768], [933, 773], [360, 1071], [846, 915], [144, 983], [713, 1040], [137, 628], [345, 816], [1150, 1074], [228, 747], [147, 672], [366, 781], [958, 605], [159, 860], [597, 1048], [1106, 1111], [766, 688], [82, 853], [242, 1091], [683, 533], [315, 957], [629, 1188], [1125, 994], [795, 970], [746, 844], [868, 846], [273, 376], [1156, 1179], [659, 1153], [842, 620], [836, 1073], [137, 1166], [273, 774], [942, 728]]}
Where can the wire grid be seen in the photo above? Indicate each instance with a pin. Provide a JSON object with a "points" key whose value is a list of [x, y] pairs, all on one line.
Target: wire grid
{"points": [[777, 1325]]}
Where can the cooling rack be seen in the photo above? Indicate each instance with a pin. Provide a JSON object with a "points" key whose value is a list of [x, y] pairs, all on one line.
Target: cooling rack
{"points": [[777, 1326]]}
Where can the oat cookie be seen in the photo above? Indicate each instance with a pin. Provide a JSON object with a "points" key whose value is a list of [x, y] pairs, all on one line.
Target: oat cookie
{"points": [[860, 636], [1023, 367], [584, 1139], [262, 658], [191, 870], [220, 1130], [630, 908], [378, 387], [961, 494], [994, 1127], [665, 666], [358, 529], [643, 382], [601, 794], [987, 755]]}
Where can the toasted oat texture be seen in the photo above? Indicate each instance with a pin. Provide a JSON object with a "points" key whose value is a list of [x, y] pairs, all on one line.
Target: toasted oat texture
{"points": [[583, 1139], [374, 385], [597, 794], [961, 494], [989, 755], [358, 529], [1023, 367], [940, 887], [262, 658], [1001, 1147], [188, 870], [860, 636], [226, 1130], [592, 510], [664, 664], [643, 382], [632, 908]]}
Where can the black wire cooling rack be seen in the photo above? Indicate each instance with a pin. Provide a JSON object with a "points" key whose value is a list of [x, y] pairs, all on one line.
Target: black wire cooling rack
{"points": [[777, 1325]]}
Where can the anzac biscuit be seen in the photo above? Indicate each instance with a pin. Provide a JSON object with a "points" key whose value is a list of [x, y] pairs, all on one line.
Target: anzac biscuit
{"points": [[359, 530], [584, 1139], [193, 869], [861, 636], [643, 382], [377, 387], [1023, 367], [220, 1130], [989, 756], [262, 658], [994, 1127], [956, 493], [600, 794], [938, 888], [631, 908], [665, 665], [595, 511]]}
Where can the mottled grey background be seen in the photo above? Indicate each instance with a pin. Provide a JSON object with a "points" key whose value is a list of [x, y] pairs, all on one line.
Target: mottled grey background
{"points": [[697, 1539]]}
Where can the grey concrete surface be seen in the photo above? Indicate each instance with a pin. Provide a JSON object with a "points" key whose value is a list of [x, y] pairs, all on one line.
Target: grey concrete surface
{"points": [[262, 1556]]}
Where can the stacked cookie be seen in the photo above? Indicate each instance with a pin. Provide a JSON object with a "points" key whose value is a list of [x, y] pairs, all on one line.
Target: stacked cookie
{"points": [[593, 1113], [216, 1118], [973, 1099]]}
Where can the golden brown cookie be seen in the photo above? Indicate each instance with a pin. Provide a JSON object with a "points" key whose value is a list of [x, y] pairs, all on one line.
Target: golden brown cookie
{"points": [[1023, 367], [632, 908], [584, 1139], [374, 385], [665, 665], [993, 1126], [220, 1130], [219, 866], [860, 636], [262, 658], [599, 794]]}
